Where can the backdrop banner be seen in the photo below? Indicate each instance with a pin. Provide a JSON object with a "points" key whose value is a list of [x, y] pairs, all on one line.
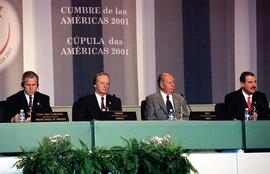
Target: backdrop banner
{"points": [[89, 37], [11, 54]]}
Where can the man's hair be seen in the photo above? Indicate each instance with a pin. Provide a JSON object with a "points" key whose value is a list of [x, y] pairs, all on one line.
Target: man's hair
{"points": [[244, 74], [161, 78], [30, 75], [99, 74]]}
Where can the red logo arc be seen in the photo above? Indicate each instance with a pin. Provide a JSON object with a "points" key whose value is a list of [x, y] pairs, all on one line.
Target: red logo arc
{"points": [[6, 43]]}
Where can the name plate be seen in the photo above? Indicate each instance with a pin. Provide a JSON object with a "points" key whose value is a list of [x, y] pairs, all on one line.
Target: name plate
{"points": [[208, 115], [118, 115], [202, 116], [50, 117]]}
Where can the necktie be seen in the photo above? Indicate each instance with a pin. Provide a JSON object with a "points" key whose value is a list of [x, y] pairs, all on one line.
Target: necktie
{"points": [[30, 102], [249, 103], [102, 106], [168, 104]]}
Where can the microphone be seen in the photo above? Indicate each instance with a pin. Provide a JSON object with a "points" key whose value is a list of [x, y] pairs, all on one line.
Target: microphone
{"points": [[186, 102], [114, 98]]}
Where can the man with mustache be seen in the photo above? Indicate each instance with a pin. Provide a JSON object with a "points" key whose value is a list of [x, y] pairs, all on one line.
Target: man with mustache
{"points": [[247, 97]]}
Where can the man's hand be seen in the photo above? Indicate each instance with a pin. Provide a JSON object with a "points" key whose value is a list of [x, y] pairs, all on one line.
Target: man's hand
{"points": [[15, 119], [28, 120], [254, 116]]}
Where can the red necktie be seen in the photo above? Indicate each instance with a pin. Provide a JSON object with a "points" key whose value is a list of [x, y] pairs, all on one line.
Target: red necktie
{"points": [[249, 103], [102, 108]]}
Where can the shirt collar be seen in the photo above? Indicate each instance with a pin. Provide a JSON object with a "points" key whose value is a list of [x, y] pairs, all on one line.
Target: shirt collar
{"points": [[246, 95], [164, 96], [99, 96], [27, 96]]}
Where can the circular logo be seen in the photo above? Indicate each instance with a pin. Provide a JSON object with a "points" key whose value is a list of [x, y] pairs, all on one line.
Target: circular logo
{"points": [[10, 33]]}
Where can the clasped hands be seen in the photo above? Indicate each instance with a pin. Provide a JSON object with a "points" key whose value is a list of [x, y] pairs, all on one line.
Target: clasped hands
{"points": [[16, 119]]}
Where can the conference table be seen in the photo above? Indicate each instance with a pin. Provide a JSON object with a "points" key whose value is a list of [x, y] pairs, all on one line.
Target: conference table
{"points": [[203, 137], [200, 135]]}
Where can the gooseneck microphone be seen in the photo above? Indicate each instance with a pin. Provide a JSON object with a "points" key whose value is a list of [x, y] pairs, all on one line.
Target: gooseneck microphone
{"points": [[186, 102], [114, 97]]}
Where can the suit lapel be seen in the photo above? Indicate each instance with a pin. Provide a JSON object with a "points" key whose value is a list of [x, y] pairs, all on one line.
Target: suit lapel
{"points": [[35, 102], [23, 98], [94, 98], [24, 102], [176, 103], [110, 102], [161, 102], [242, 99], [37, 99], [255, 98]]}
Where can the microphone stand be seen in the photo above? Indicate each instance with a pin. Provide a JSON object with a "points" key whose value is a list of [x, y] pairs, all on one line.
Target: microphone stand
{"points": [[187, 103]]}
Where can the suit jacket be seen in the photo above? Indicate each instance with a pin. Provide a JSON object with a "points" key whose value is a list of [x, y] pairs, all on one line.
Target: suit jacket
{"points": [[88, 108], [18, 101], [235, 105], [155, 108]]}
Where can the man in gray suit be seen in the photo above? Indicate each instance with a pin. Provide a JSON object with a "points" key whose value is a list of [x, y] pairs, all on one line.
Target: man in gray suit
{"points": [[159, 104]]}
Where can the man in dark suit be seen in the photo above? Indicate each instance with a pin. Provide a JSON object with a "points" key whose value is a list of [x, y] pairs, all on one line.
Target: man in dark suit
{"points": [[247, 97], [159, 104], [29, 99], [89, 107]]}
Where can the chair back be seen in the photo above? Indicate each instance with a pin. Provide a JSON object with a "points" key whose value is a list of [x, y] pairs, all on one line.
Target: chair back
{"points": [[75, 111], [220, 110], [143, 104], [3, 111]]}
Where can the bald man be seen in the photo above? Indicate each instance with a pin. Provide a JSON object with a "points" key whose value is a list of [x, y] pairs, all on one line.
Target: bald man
{"points": [[159, 104]]}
